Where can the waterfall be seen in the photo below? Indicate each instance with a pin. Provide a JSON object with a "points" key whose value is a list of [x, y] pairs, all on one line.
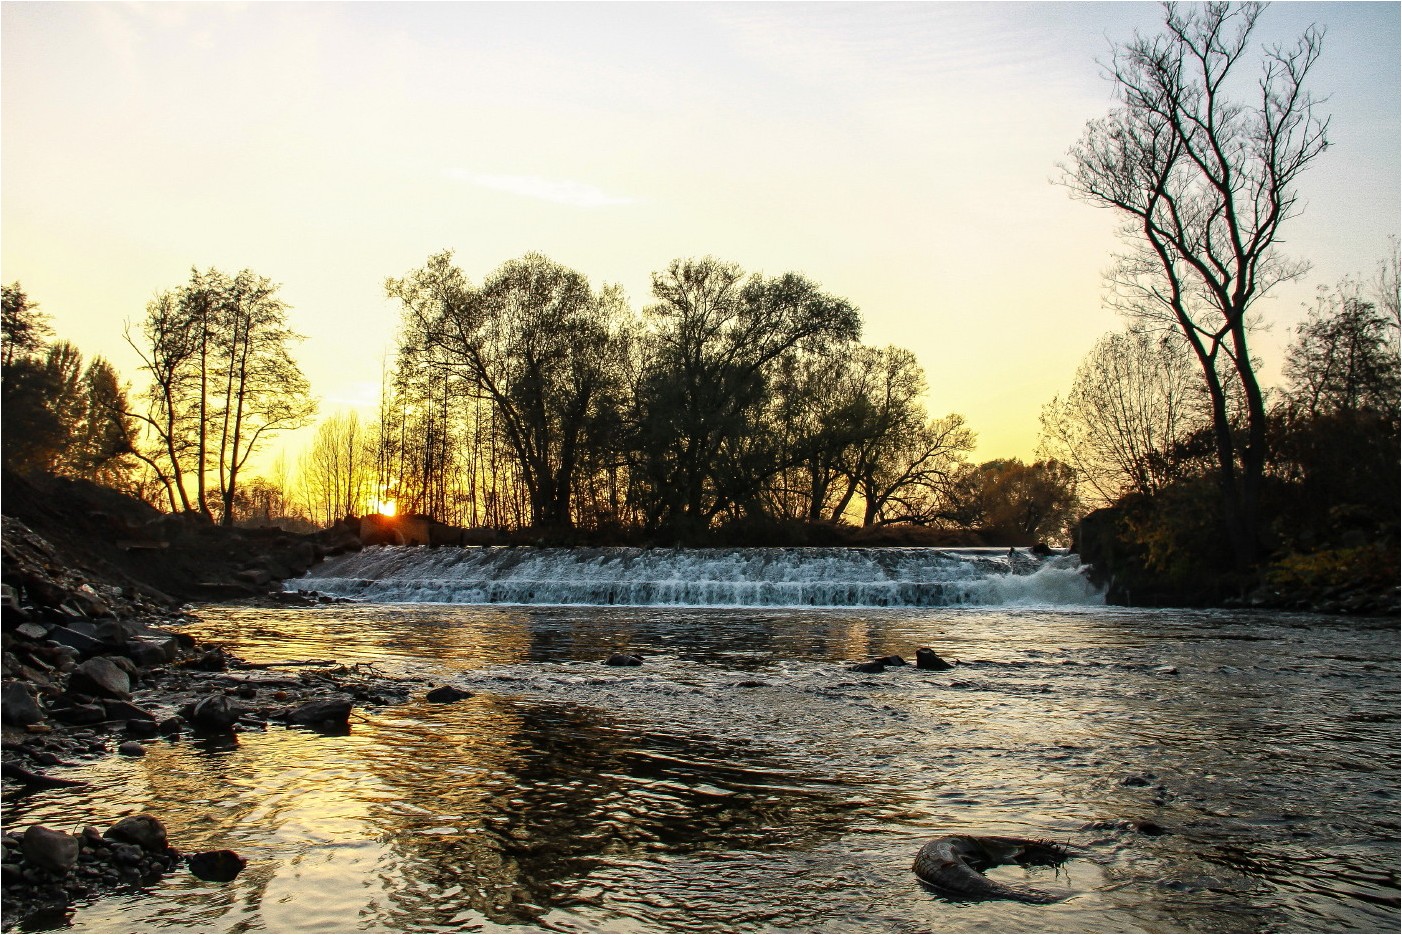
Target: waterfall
{"points": [[775, 577]]}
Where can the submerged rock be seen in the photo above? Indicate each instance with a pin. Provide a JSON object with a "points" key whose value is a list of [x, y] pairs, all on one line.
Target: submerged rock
{"points": [[891, 661], [213, 712], [874, 666], [217, 866], [623, 659], [334, 709], [446, 694], [927, 658]]}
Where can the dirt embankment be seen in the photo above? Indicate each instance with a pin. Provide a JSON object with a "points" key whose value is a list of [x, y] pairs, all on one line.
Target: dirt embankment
{"points": [[155, 558], [94, 663]]}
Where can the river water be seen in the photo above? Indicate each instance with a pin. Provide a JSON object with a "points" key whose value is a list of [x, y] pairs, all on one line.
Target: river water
{"points": [[744, 779]]}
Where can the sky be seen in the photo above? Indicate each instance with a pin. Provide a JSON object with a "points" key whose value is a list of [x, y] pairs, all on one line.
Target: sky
{"points": [[899, 154]]}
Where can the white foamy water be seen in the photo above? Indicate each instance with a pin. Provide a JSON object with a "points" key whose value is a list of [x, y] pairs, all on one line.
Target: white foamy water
{"points": [[794, 577]]}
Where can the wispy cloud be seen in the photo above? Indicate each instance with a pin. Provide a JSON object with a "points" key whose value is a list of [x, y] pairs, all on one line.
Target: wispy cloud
{"points": [[561, 191]]}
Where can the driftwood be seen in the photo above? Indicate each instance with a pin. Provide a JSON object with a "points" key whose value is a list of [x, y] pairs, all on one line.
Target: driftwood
{"points": [[288, 664], [38, 780]]}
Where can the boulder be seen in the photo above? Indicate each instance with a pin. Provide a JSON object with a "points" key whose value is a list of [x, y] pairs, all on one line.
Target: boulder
{"points": [[49, 849], [101, 676], [927, 658], [869, 667], [145, 831], [333, 709], [447, 694], [18, 706], [891, 661], [217, 866], [131, 748], [623, 659]]}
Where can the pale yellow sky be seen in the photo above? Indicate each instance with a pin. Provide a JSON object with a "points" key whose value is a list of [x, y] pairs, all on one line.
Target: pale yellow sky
{"points": [[899, 154]]}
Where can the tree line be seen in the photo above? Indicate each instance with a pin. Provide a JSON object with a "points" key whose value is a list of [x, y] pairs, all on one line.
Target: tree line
{"points": [[729, 408], [732, 400]]}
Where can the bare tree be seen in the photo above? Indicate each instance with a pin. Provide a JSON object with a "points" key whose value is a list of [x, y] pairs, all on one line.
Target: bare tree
{"points": [[1134, 398], [1205, 181], [338, 470]]}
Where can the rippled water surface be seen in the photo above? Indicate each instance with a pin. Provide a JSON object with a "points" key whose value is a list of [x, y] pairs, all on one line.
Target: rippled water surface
{"points": [[744, 779]]}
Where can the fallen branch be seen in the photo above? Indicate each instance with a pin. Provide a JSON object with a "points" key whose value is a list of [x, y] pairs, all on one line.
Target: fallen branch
{"points": [[38, 780], [289, 664]]}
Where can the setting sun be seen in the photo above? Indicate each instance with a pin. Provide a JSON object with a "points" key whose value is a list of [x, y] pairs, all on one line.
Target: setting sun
{"points": [[385, 507]]}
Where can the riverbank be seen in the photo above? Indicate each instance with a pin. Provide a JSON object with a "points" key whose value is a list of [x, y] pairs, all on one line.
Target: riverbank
{"points": [[93, 668]]}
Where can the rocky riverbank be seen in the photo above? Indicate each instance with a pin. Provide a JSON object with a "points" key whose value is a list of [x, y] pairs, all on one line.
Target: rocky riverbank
{"points": [[96, 665]]}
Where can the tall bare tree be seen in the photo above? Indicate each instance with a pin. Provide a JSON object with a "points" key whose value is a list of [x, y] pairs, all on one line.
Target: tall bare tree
{"points": [[338, 470], [1205, 180]]}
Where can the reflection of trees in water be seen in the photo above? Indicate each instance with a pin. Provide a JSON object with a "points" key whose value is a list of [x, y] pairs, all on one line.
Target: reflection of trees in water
{"points": [[691, 634], [509, 819]]}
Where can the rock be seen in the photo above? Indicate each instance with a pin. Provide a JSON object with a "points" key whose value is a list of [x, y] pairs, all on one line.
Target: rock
{"points": [[1165, 670], [1137, 781], [870, 667], [78, 713], [447, 694], [623, 659], [145, 831], [35, 631], [126, 711], [334, 709], [254, 576], [10, 608], [131, 748], [891, 661], [52, 850], [101, 676], [143, 728], [84, 643], [213, 712], [1041, 550], [752, 683], [17, 706], [217, 866], [927, 658], [212, 660], [128, 855], [151, 652]]}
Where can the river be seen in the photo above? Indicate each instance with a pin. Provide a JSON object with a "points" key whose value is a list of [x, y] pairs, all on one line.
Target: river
{"points": [[744, 779]]}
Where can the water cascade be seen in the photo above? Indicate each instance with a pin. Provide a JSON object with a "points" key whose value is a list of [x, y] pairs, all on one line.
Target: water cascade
{"points": [[792, 577]]}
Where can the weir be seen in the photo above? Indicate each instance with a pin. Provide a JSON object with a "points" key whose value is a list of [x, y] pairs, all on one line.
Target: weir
{"points": [[750, 577]]}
